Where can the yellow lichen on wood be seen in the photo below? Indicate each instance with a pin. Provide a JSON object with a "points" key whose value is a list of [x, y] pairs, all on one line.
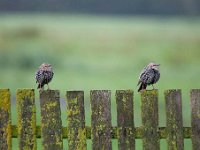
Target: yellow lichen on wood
{"points": [[174, 119], [76, 120], [5, 118], [49, 105], [5, 99], [125, 119], [51, 123], [149, 109], [81, 138], [26, 119], [101, 119]]}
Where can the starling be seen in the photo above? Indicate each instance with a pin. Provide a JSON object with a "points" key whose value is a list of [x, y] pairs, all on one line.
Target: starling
{"points": [[44, 75], [149, 76]]}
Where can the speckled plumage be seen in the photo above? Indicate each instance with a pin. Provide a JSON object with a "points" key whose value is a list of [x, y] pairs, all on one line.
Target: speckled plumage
{"points": [[149, 76], [44, 75]]}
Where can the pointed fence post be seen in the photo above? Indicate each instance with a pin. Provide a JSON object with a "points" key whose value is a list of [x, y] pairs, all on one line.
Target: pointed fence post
{"points": [[149, 108], [26, 120], [76, 120], [51, 124], [5, 120], [174, 120], [195, 118], [125, 121], [101, 119]]}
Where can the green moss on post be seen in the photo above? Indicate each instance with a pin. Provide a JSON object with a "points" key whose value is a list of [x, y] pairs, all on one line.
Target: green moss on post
{"points": [[195, 117], [26, 119], [14, 131], [125, 121], [149, 108], [64, 132], [76, 120], [51, 124], [162, 132], [187, 132], [5, 120], [138, 132], [88, 132], [101, 119], [174, 120]]}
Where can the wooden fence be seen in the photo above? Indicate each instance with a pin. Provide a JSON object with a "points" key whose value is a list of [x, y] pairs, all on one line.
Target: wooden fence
{"points": [[101, 131]]}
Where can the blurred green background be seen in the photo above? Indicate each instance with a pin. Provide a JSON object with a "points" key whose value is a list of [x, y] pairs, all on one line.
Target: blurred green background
{"points": [[100, 52]]}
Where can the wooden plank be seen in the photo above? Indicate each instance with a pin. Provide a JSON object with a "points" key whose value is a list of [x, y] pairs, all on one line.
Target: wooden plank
{"points": [[149, 108], [125, 121], [26, 119], [195, 118], [174, 120], [114, 132], [51, 124], [101, 119], [5, 120], [76, 120]]}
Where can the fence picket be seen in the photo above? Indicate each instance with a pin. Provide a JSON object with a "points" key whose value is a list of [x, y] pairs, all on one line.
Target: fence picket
{"points": [[125, 121], [101, 119], [149, 108], [195, 118], [26, 119], [174, 120], [76, 120], [5, 120], [51, 124]]}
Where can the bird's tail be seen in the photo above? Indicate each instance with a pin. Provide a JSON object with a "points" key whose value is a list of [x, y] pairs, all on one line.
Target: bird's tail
{"points": [[142, 87]]}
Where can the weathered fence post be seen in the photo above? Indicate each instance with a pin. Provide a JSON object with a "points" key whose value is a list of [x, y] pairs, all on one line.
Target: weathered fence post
{"points": [[174, 120], [149, 108], [125, 121], [5, 120], [101, 119], [26, 119], [51, 124], [195, 118], [76, 120]]}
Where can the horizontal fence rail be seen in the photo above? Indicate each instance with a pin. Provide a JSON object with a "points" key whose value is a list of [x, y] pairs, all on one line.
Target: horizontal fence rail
{"points": [[101, 131]]}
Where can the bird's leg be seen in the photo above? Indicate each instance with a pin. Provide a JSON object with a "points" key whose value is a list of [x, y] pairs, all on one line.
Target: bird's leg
{"points": [[41, 88], [48, 87], [153, 87], [48, 84]]}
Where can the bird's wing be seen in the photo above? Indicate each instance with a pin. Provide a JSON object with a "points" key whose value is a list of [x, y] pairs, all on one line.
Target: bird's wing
{"points": [[150, 76], [147, 76], [156, 76], [39, 76], [36, 76], [141, 76]]}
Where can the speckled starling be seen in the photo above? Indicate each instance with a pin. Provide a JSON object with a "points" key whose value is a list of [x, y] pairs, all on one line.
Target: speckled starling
{"points": [[149, 76], [44, 75]]}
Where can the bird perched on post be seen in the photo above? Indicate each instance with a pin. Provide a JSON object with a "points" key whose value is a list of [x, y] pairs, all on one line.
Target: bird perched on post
{"points": [[149, 76], [44, 75]]}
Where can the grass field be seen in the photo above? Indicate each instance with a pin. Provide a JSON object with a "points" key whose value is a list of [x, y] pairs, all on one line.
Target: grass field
{"points": [[100, 52]]}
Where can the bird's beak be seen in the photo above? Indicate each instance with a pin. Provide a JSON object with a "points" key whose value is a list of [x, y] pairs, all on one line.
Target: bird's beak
{"points": [[157, 66]]}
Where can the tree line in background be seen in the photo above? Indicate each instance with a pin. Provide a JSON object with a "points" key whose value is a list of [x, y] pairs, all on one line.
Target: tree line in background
{"points": [[154, 7]]}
